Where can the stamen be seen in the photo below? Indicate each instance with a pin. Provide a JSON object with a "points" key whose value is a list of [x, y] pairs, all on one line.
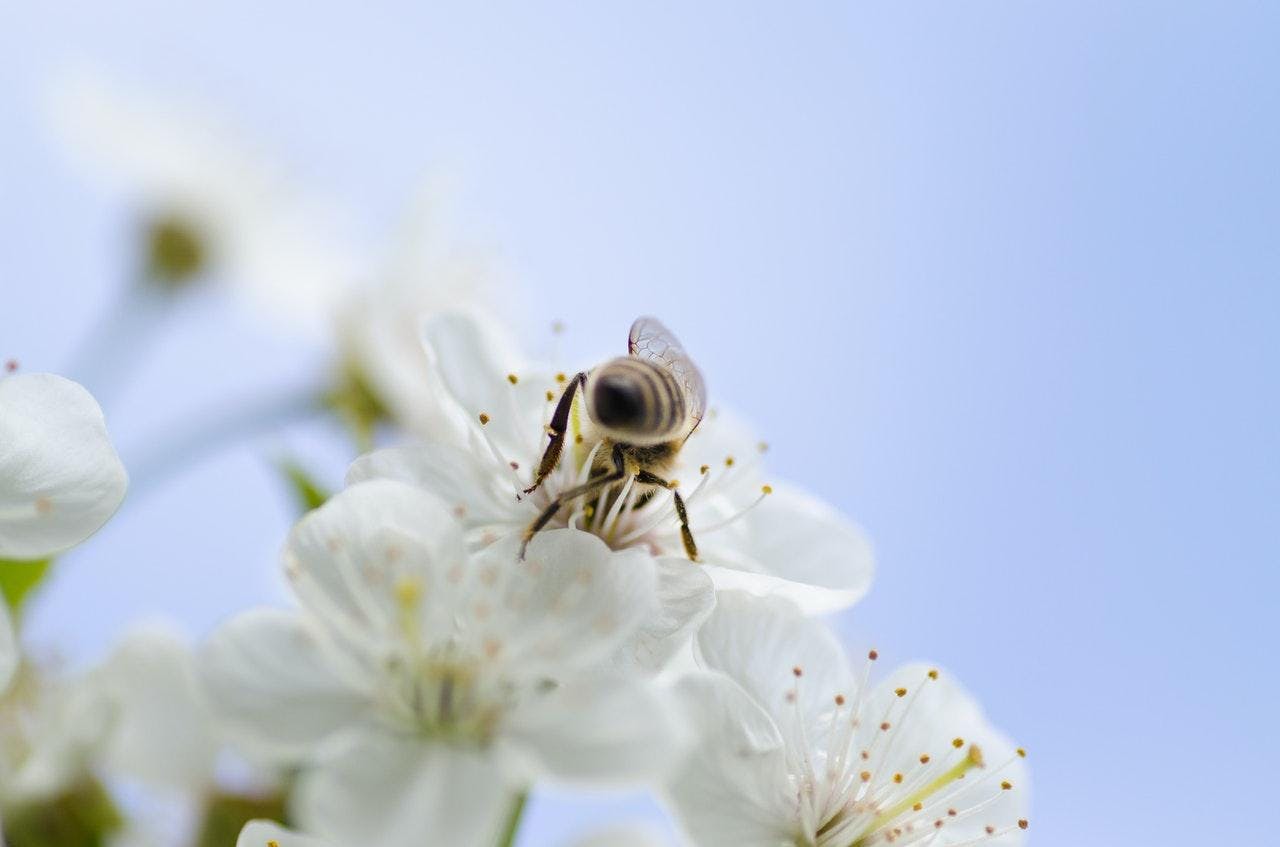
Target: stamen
{"points": [[497, 454], [973, 760], [765, 491]]}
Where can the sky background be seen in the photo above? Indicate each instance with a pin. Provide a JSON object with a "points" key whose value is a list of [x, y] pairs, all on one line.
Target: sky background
{"points": [[999, 280]]}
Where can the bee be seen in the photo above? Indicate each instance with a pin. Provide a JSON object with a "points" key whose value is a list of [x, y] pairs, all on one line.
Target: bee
{"points": [[642, 407]]}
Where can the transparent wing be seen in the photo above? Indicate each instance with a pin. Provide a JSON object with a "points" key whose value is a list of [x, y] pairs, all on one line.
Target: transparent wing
{"points": [[649, 339]]}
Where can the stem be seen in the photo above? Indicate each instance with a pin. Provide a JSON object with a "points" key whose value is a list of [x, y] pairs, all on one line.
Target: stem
{"points": [[512, 824], [106, 357], [211, 431]]}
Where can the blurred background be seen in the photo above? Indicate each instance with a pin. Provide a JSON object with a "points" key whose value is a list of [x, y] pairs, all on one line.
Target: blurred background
{"points": [[999, 280]]}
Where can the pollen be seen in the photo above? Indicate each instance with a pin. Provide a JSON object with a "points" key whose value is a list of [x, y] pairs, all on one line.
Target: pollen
{"points": [[897, 777], [273, 843], [924, 758], [1023, 824], [704, 469], [484, 419], [1022, 753], [561, 378], [1006, 785], [873, 655], [766, 489], [513, 379], [728, 461], [917, 806], [933, 673], [901, 692], [865, 776], [839, 699], [551, 395], [797, 671]]}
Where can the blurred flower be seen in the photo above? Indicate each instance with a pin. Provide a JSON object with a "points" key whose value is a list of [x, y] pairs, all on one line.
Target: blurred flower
{"points": [[208, 206], [427, 685], [796, 749], [60, 478], [786, 543], [271, 834], [8, 648]]}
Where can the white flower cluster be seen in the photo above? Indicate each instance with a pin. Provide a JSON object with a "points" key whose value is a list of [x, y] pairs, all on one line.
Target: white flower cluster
{"points": [[508, 597]]}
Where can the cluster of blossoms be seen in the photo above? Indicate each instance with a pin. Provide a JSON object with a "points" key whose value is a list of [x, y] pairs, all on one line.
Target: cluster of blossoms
{"points": [[441, 660]]}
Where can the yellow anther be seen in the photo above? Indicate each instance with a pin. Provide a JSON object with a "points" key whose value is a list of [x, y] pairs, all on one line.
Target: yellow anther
{"points": [[1022, 753], [957, 743], [766, 489], [551, 395], [512, 378], [1006, 785], [704, 469], [933, 673], [728, 461], [901, 692], [561, 378], [1022, 824], [484, 419]]}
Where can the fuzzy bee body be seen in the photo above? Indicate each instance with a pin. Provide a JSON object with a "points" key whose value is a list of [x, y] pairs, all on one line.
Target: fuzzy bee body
{"points": [[641, 408]]}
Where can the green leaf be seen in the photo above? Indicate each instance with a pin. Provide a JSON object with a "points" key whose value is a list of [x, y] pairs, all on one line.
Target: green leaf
{"points": [[307, 493], [226, 814], [82, 816], [18, 579]]}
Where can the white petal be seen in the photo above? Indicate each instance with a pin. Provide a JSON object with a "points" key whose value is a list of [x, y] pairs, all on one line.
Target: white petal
{"points": [[623, 835], [685, 599], [762, 642], [794, 545], [60, 478], [464, 482], [604, 730], [272, 687], [384, 790], [272, 834], [8, 648], [572, 602], [351, 559], [163, 733]]}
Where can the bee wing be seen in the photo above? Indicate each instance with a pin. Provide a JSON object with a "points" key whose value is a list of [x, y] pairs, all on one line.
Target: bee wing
{"points": [[649, 339]]}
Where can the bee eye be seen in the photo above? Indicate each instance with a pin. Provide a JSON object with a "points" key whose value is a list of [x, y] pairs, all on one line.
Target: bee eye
{"points": [[617, 402]]}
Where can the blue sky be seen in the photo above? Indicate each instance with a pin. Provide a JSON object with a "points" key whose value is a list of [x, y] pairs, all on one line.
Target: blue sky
{"points": [[1000, 280]]}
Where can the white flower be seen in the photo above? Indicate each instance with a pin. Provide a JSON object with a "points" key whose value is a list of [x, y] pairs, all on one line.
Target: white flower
{"points": [[799, 750], [211, 204], [427, 684], [271, 834], [8, 648], [60, 478], [784, 543]]}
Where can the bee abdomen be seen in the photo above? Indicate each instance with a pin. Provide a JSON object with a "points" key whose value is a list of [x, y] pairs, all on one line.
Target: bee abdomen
{"points": [[635, 396]]}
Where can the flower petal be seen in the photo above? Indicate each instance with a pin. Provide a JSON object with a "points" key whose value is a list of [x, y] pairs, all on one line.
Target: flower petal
{"points": [[761, 643], [272, 834], [796, 546], [272, 687], [572, 602], [378, 789], [598, 730], [351, 560], [685, 599], [163, 733], [60, 477]]}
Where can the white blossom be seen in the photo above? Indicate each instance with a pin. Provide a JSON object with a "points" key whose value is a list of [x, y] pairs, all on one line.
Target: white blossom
{"points": [[761, 536], [425, 685], [60, 477], [272, 834], [798, 749]]}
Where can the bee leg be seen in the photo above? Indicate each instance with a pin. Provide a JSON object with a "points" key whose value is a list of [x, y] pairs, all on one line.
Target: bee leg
{"points": [[591, 486], [686, 535], [557, 429]]}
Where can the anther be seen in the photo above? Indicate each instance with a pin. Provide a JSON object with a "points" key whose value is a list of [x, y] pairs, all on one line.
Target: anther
{"points": [[933, 673], [839, 699], [763, 447], [1023, 824], [561, 378], [951, 813], [865, 776], [704, 469], [515, 466], [512, 378], [957, 743], [917, 806], [924, 759], [1022, 753], [897, 777], [11, 365], [901, 692], [728, 461], [551, 395], [766, 489], [1006, 785], [577, 439], [557, 327], [873, 655], [484, 419], [797, 671], [884, 727], [990, 830]]}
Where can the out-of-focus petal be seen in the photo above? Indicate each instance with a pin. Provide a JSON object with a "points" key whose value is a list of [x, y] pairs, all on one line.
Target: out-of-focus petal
{"points": [[60, 477]]}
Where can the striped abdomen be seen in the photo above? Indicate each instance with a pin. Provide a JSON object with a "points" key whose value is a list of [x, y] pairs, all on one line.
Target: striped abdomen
{"points": [[636, 401]]}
